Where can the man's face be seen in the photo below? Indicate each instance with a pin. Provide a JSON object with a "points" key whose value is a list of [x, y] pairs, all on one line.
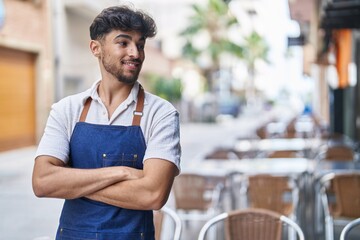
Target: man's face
{"points": [[122, 55]]}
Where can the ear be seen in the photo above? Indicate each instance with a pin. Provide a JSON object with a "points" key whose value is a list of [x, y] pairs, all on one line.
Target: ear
{"points": [[95, 48]]}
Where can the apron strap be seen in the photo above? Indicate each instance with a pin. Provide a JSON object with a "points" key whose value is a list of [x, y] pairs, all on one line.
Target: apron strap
{"points": [[85, 110], [139, 107], [137, 113]]}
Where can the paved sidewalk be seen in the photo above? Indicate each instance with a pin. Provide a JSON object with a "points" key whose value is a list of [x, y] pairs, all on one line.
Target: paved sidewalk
{"points": [[25, 217]]}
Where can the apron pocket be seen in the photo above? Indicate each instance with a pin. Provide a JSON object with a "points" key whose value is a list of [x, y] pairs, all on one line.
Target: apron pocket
{"points": [[125, 159], [67, 234]]}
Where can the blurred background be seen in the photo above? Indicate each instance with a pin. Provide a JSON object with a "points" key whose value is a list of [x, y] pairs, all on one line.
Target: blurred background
{"points": [[222, 63]]}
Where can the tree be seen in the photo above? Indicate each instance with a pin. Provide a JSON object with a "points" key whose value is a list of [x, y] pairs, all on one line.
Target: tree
{"points": [[167, 88], [255, 48], [212, 21]]}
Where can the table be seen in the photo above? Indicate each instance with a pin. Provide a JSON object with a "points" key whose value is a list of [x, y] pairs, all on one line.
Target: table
{"points": [[304, 145], [277, 144], [250, 166], [326, 166]]}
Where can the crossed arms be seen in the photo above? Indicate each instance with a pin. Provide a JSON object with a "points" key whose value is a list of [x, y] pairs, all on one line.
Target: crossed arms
{"points": [[125, 187]]}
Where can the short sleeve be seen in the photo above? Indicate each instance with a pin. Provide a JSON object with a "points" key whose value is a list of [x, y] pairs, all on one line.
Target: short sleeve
{"points": [[164, 141], [55, 140]]}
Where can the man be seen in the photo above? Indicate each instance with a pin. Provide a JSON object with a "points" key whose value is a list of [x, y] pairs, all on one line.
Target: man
{"points": [[112, 151]]}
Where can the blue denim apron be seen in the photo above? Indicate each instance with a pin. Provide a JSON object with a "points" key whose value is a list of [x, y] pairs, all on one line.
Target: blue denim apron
{"points": [[96, 146]]}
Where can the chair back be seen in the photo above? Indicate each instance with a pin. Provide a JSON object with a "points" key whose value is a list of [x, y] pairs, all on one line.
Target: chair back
{"points": [[268, 191], [346, 188], [158, 223], [340, 197], [223, 153], [259, 224], [159, 218], [290, 129], [283, 154], [261, 132], [195, 192], [339, 152]]}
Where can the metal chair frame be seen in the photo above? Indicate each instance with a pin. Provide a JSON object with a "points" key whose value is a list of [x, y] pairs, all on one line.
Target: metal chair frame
{"points": [[176, 219], [345, 232]]}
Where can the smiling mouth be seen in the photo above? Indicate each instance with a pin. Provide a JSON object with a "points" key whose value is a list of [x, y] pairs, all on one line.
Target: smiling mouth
{"points": [[131, 64]]}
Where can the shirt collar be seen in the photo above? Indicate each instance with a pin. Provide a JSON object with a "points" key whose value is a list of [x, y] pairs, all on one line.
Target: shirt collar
{"points": [[93, 93]]}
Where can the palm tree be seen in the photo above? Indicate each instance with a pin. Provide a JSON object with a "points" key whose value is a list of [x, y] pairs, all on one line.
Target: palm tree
{"points": [[255, 48], [213, 20]]}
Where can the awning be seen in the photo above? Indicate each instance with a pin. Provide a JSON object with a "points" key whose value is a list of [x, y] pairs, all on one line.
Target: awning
{"points": [[342, 14]]}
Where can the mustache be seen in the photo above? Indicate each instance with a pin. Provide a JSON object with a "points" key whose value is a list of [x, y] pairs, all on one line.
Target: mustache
{"points": [[134, 60]]}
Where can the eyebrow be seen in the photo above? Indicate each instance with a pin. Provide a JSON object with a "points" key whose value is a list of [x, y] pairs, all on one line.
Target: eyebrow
{"points": [[128, 37]]}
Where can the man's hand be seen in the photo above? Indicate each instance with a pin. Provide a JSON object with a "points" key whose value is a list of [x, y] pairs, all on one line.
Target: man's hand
{"points": [[149, 192]]}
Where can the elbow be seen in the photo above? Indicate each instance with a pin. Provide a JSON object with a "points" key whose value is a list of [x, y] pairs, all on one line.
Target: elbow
{"points": [[156, 205], [39, 188], [38, 191], [157, 201]]}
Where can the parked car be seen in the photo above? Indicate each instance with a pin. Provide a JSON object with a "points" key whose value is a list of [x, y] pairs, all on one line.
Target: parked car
{"points": [[229, 106]]}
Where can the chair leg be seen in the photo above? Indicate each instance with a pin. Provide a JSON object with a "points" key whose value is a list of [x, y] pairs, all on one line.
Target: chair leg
{"points": [[329, 228], [212, 235], [291, 231], [318, 211], [292, 234]]}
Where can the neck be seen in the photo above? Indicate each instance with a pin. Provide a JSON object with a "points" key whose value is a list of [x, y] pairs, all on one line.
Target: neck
{"points": [[113, 93]]}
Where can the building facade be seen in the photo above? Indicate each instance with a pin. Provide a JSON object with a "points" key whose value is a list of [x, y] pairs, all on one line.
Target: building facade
{"points": [[26, 68]]}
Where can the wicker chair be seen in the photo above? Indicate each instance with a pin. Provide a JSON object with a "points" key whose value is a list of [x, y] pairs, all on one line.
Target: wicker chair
{"points": [[284, 154], [223, 154], [340, 152], [268, 191], [290, 129], [345, 189], [337, 152], [160, 216], [261, 132], [197, 197], [346, 231], [259, 224]]}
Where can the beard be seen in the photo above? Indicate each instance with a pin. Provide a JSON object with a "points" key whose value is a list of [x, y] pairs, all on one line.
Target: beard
{"points": [[119, 73]]}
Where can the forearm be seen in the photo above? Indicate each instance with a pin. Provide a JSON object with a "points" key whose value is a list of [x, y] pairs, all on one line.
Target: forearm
{"points": [[132, 194], [52, 179], [147, 193]]}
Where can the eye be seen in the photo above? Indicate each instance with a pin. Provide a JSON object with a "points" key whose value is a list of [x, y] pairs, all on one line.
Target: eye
{"points": [[123, 43], [141, 47]]}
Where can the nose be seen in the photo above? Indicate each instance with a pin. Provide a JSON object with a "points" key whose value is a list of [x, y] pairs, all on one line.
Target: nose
{"points": [[133, 51]]}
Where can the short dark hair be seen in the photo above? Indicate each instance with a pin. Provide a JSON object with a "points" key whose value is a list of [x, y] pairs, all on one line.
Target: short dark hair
{"points": [[122, 18]]}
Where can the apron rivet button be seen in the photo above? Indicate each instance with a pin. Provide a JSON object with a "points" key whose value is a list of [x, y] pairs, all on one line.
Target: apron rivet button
{"points": [[104, 155]]}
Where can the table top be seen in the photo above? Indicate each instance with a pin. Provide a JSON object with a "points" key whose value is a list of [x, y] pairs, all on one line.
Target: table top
{"points": [[326, 166], [277, 144], [295, 166]]}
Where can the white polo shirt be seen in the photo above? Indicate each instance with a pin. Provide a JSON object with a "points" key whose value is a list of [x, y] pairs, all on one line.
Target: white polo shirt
{"points": [[159, 123]]}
